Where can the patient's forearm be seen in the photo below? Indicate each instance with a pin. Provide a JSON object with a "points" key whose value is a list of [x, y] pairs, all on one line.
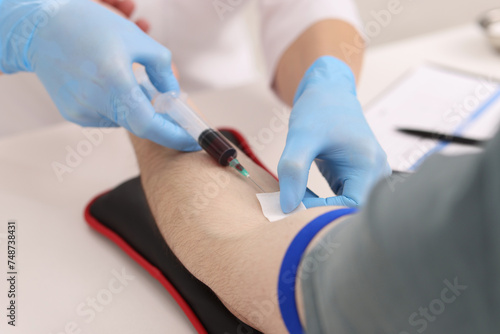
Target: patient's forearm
{"points": [[325, 38], [210, 217]]}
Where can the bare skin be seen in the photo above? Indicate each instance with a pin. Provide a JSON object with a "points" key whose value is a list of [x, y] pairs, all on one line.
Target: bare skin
{"points": [[211, 219], [324, 38], [210, 216]]}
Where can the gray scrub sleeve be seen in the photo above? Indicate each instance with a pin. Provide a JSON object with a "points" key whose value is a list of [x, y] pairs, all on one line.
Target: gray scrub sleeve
{"points": [[422, 256]]}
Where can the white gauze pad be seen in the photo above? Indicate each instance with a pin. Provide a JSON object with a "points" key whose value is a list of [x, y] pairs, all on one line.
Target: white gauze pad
{"points": [[271, 208]]}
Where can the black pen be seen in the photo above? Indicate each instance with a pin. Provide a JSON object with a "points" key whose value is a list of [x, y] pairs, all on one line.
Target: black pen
{"points": [[442, 137]]}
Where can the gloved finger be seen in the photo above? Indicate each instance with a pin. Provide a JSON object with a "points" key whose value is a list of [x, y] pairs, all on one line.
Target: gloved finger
{"points": [[135, 112], [107, 123], [159, 129], [310, 194], [94, 122], [85, 117], [357, 187], [162, 131], [293, 171], [148, 90], [82, 112], [158, 62], [352, 192], [311, 202], [102, 122], [146, 123]]}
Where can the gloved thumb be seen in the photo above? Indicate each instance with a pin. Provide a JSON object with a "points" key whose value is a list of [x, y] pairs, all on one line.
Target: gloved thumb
{"points": [[136, 114], [352, 193], [330, 201], [158, 63], [293, 172]]}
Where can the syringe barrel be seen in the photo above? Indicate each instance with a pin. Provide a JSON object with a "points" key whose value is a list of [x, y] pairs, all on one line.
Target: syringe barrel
{"points": [[171, 104], [210, 140], [217, 146]]}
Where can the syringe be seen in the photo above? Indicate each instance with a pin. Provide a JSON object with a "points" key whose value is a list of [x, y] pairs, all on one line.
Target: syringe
{"points": [[210, 140]]}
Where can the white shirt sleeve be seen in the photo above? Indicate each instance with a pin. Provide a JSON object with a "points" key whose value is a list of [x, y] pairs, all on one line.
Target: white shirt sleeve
{"points": [[284, 20]]}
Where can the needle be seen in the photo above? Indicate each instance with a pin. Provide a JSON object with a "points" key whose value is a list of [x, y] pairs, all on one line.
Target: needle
{"points": [[233, 162], [256, 183]]}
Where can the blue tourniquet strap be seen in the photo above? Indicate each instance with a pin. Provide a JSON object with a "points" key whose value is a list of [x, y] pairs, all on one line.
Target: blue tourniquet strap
{"points": [[290, 264]]}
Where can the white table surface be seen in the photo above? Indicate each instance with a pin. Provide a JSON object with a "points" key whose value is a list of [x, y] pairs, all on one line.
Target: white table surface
{"points": [[62, 262]]}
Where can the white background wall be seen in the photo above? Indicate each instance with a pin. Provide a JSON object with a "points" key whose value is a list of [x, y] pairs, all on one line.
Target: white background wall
{"points": [[415, 17], [423, 16]]}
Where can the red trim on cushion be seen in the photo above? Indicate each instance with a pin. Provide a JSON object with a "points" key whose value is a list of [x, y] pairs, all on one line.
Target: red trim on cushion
{"points": [[155, 272], [152, 270]]}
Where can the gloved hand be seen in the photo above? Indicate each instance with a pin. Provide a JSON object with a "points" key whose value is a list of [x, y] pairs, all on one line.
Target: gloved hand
{"points": [[83, 55], [327, 125]]}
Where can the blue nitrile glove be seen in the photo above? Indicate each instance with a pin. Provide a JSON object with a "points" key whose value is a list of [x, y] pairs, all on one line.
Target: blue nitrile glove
{"points": [[83, 54], [327, 125]]}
